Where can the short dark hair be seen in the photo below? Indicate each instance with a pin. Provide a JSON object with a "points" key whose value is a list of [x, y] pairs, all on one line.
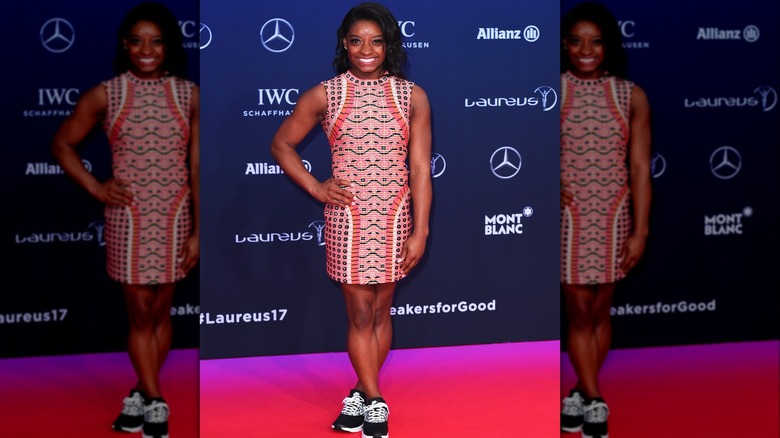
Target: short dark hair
{"points": [[395, 57], [175, 58], [615, 60]]}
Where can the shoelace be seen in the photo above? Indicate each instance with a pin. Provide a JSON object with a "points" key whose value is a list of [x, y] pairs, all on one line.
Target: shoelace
{"points": [[353, 405], [376, 412], [596, 412], [133, 405], [157, 412], [572, 405]]}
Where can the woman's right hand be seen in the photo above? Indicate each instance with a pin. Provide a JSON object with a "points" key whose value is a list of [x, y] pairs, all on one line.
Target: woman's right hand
{"points": [[334, 191], [114, 192], [567, 197]]}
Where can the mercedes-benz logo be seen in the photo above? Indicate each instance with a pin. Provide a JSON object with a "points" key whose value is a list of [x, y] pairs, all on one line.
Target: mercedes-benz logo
{"points": [[277, 35], [725, 162], [205, 36], [547, 103], [57, 35], [438, 165], [505, 162], [657, 165]]}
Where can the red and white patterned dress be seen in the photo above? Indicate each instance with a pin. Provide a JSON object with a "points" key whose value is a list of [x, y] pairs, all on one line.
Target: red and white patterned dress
{"points": [[148, 128], [367, 126], [594, 147]]}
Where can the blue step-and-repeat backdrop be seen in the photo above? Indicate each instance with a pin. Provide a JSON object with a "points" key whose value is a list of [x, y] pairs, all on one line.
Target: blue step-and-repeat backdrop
{"points": [[56, 297], [711, 72], [490, 70]]}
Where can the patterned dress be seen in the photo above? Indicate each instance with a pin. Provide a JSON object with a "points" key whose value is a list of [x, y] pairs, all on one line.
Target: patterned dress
{"points": [[594, 139], [148, 128], [367, 126]]}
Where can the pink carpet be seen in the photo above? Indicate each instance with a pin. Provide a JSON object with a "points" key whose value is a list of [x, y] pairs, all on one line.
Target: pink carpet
{"points": [[81, 395], [508, 390], [700, 391]]}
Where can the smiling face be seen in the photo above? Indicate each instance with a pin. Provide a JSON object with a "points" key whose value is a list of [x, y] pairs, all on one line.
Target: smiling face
{"points": [[365, 48], [585, 47], [146, 50]]}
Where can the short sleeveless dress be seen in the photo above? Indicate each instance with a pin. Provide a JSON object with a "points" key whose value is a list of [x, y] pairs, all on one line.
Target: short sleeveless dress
{"points": [[148, 128], [594, 147], [367, 126]]}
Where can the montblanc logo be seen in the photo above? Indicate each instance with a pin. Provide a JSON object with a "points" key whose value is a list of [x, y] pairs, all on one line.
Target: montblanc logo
{"points": [[726, 224], [506, 223], [750, 34], [544, 97], [530, 33], [764, 97], [269, 169]]}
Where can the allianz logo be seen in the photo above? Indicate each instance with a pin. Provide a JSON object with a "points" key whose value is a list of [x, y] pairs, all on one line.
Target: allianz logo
{"points": [[44, 168]]}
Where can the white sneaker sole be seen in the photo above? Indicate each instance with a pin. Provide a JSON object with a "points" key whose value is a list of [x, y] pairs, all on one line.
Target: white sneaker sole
{"points": [[348, 429]]}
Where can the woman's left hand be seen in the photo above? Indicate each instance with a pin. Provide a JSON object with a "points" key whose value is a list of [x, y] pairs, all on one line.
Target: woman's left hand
{"points": [[411, 253], [632, 251], [190, 254]]}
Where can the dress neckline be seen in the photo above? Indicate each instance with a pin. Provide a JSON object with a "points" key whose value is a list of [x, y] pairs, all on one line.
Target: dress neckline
{"points": [[380, 80], [147, 82], [598, 81]]}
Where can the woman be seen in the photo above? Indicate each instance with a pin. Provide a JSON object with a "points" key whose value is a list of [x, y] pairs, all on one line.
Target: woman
{"points": [[150, 115], [605, 197], [374, 120]]}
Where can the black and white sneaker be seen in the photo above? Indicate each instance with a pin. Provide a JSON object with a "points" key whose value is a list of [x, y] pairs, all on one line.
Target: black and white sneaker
{"points": [[375, 419], [594, 415], [131, 419], [571, 414], [351, 417], [156, 413]]}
